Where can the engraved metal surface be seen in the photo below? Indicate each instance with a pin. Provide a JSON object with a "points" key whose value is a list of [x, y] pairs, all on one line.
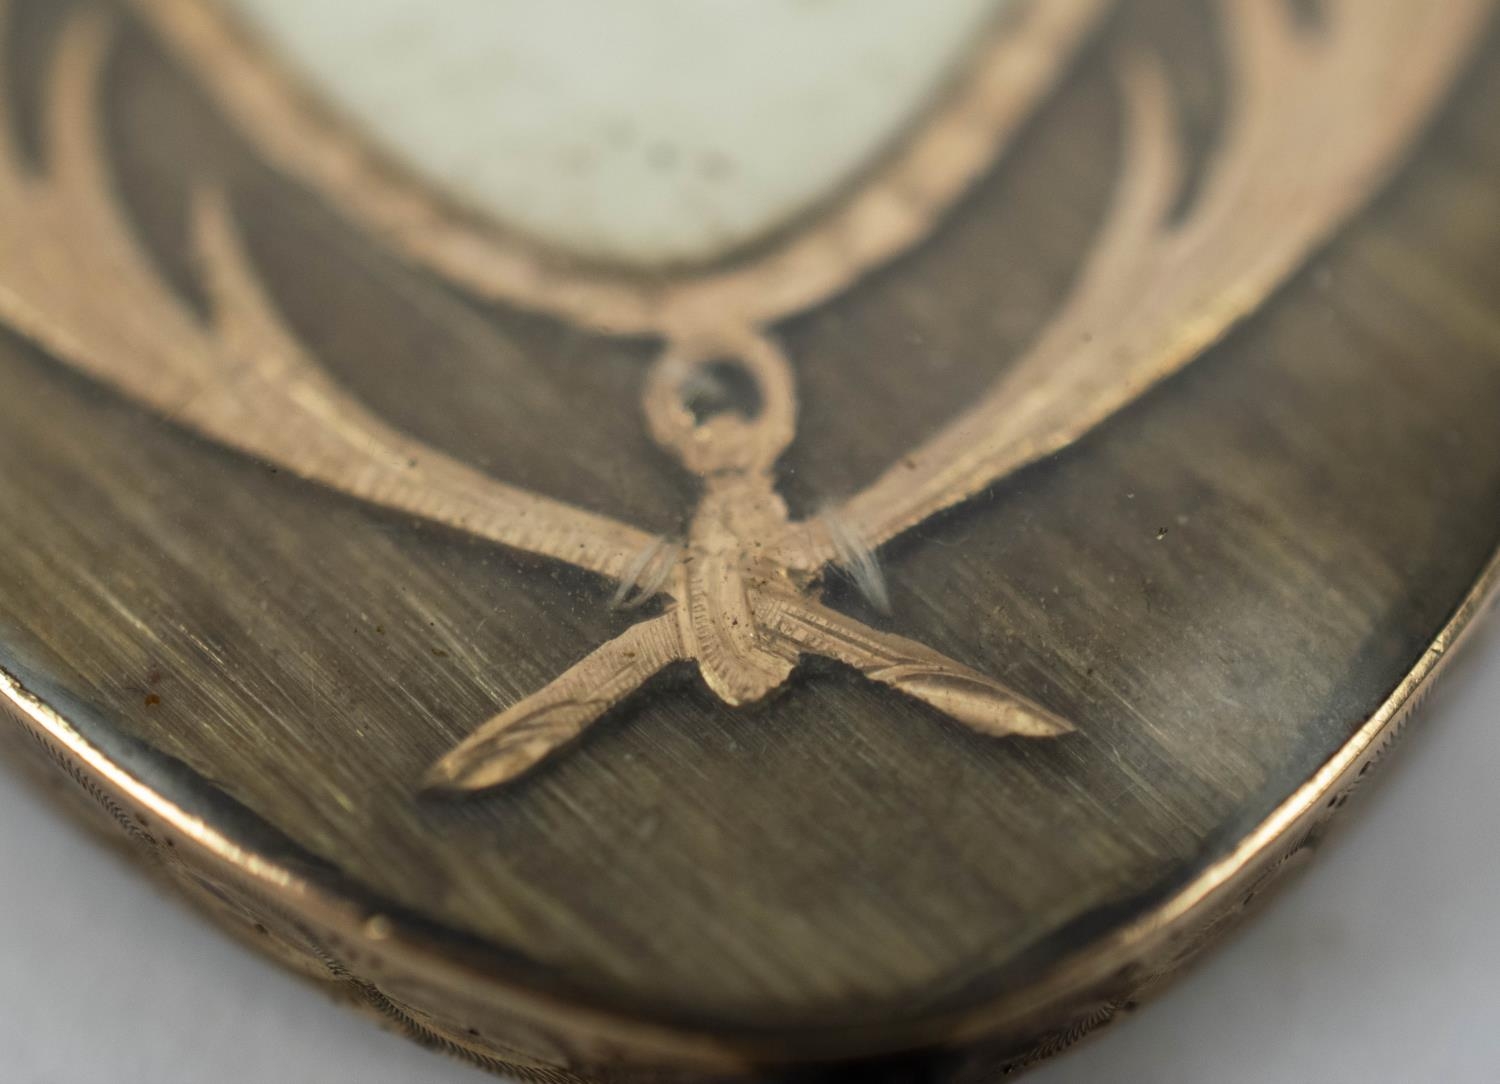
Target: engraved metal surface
{"points": [[1130, 379], [1316, 121]]}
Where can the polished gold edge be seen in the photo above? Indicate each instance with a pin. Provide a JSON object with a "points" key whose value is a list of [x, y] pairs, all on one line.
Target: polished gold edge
{"points": [[1105, 973], [1200, 905]]}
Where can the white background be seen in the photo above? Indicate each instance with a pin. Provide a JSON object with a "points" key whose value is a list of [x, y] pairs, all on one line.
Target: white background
{"points": [[1380, 963]]}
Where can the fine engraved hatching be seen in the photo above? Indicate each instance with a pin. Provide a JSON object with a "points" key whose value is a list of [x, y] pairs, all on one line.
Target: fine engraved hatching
{"points": [[1319, 113]]}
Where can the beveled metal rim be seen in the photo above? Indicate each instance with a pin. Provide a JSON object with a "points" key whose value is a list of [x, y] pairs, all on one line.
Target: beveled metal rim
{"points": [[1132, 954]]}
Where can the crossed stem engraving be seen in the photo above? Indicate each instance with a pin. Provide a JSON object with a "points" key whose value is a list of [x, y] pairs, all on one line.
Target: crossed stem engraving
{"points": [[743, 611]]}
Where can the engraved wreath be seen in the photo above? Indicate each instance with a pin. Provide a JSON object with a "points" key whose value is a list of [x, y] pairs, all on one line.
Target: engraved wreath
{"points": [[1319, 113]]}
